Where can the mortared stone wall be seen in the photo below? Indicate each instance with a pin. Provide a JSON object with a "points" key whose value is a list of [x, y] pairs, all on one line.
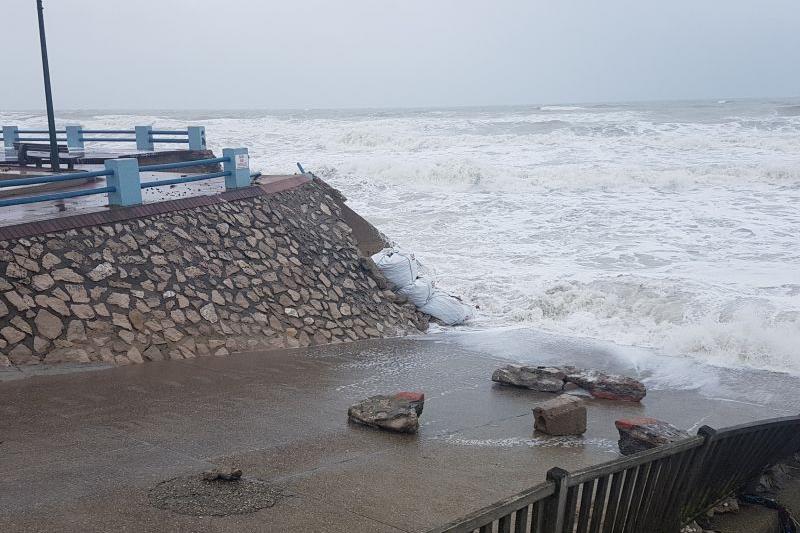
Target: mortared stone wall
{"points": [[266, 271]]}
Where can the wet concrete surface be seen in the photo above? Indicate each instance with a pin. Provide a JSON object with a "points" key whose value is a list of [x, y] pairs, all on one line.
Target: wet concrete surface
{"points": [[80, 450]]}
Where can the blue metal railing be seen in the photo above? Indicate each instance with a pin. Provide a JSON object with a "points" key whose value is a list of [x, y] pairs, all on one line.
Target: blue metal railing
{"points": [[39, 139], [185, 179], [183, 164], [125, 183], [55, 196], [109, 139], [40, 131], [112, 132], [53, 179], [60, 135], [145, 137]]}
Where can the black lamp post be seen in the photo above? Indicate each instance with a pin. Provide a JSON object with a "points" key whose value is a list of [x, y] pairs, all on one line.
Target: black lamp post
{"points": [[51, 121]]}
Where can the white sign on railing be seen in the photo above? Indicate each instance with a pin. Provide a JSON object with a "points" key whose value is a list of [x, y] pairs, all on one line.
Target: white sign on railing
{"points": [[242, 161]]}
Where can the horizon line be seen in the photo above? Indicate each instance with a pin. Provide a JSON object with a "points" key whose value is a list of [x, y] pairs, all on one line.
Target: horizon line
{"points": [[417, 107]]}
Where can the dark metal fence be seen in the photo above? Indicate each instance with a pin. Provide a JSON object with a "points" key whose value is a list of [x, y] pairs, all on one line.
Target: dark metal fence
{"points": [[654, 491]]}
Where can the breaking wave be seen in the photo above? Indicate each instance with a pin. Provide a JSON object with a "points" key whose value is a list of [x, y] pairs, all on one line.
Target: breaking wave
{"points": [[675, 319]]}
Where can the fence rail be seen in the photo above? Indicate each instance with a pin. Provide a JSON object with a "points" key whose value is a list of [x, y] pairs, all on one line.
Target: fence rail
{"points": [[124, 182], [654, 491], [145, 137]]}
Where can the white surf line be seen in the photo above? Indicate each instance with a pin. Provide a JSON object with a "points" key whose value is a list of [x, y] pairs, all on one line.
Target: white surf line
{"points": [[535, 442], [786, 412]]}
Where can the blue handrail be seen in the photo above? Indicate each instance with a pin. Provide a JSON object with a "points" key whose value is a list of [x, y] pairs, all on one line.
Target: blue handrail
{"points": [[124, 183], [58, 177], [183, 164], [55, 196], [110, 139], [185, 179], [40, 131], [113, 132], [145, 137]]}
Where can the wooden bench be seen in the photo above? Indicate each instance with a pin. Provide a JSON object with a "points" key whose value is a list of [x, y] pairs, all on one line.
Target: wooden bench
{"points": [[40, 153]]}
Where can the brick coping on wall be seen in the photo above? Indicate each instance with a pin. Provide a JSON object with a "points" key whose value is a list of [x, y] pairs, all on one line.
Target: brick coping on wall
{"points": [[269, 185]]}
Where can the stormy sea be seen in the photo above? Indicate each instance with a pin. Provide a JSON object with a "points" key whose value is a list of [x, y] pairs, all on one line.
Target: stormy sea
{"points": [[672, 227]]}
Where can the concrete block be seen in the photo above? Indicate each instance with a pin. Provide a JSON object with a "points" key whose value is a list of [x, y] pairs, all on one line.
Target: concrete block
{"points": [[238, 166], [126, 179], [565, 415], [10, 136], [75, 138], [197, 137], [144, 138]]}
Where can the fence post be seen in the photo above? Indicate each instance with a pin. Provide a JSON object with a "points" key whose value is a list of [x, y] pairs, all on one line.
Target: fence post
{"points": [[559, 476], [10, 136], [75, 138], [688, 491], [144, 138], [238, 164], [126, 179], [197, 137]]}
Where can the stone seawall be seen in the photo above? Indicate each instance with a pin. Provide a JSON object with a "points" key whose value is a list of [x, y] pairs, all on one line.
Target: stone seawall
{"points": [[256, 271]]}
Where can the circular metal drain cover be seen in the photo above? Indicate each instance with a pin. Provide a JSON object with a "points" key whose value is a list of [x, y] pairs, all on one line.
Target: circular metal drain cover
{"points": [[191, 495]]}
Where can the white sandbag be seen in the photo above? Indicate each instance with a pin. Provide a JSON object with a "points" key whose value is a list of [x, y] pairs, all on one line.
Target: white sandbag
{"points": [[446, 308], [399, 268], [419, 292]]}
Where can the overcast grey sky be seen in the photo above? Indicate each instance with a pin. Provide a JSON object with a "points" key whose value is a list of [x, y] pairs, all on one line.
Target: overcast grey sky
{"points": [[168, 54]]}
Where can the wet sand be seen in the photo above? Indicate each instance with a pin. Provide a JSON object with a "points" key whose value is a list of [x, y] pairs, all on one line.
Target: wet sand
{"points": [[80, 450]]}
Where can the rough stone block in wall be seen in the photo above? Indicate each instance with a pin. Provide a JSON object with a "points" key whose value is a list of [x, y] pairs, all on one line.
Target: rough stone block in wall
{"points": [[269, 271]]}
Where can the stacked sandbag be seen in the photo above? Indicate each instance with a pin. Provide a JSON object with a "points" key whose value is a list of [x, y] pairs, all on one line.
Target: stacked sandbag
{"points": [[399, 268], [448, 309], [419, 292], [402, 270]]}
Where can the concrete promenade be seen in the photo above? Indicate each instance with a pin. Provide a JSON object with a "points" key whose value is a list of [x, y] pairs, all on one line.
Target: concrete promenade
{"points": [[80, 450]]}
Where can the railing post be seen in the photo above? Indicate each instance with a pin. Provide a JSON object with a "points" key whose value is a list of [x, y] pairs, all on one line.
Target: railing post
{"points": [[126, 179], [238, 164], [144, 138], [10, 136], [75, 138], [691, 488], [555, 523], [197, 137]]}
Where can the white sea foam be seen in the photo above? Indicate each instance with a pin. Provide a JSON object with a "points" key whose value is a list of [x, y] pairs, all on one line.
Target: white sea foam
{"points": [[535, 442], [560, 108], [672, 226]]}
